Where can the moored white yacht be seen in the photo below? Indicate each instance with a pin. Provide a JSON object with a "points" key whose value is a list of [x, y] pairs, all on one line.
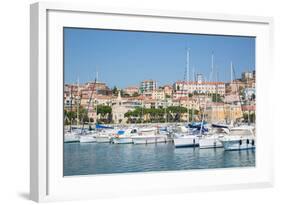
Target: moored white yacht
{"points": [[124, 136], [212, 139], [239, 138], [88, 137], [149, 136], [70, 137], [186, 140], [185, 137], [105, 136]]}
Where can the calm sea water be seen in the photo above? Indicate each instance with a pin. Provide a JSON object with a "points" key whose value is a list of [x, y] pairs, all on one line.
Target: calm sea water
{"points": [[99, 158]]}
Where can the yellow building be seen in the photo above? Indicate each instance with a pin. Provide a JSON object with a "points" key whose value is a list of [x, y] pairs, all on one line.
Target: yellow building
{"points": [[220, 112], [233, 112]]}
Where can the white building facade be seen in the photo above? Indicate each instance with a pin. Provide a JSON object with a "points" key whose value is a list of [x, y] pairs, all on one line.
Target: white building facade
{"points": [[182, 88]]}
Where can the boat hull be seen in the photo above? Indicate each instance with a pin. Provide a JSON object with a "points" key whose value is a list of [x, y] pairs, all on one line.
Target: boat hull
{"points": [[150, 139], [205, 143], [103, 139], [71, 138], [87, 139], [242, 144], [122, 140], [186, 142]]}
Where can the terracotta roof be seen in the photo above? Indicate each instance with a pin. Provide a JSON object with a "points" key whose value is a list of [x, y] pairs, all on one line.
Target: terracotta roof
{"points": [[196, 83], [180, 98], [131, 87], [102, 97], [248, 107]]}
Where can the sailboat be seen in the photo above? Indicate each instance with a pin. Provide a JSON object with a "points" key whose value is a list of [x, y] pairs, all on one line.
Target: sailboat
{"points": [[211, 139], [71, 135], [150, 135], [88, 136], [240, 138], [185, 137], [124, 136]]}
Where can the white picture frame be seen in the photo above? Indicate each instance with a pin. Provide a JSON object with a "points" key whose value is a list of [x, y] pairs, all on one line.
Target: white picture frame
{"points": [[46, 179]]}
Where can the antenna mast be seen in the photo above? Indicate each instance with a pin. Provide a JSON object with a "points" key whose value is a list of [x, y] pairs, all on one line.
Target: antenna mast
{"points": [[78, 102], [187, 80], [187, 65], [231, 72], [97, 75], [212, 67]]}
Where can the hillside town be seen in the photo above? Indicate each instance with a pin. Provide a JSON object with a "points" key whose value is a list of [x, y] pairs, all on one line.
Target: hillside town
{"points": [[148, 102], [160, 105]]}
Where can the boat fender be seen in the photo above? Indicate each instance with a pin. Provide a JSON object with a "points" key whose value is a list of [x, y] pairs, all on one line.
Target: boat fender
{"points": [[253, 142], [248, 142], [240, 142]]}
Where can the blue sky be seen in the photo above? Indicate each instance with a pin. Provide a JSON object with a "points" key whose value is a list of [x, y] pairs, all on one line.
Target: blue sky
{"points": [[124, 58]]}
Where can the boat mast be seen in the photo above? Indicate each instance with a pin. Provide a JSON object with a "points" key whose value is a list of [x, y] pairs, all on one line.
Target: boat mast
{"points": [[217, 79], [88, 108], [212, 67], [237, 89], [78, 104], [231, 72], [142, 111], [248, 101], [187, 81], [192, 108], [203, 118], [96, 89], [231, 81], [211, 80], [70, 108], [165, 109]]}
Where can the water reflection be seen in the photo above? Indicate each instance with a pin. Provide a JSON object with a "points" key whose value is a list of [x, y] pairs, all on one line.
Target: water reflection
{"points": [[98, 158]]}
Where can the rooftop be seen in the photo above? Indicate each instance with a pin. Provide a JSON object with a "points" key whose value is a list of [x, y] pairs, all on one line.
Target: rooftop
{"points": [[201, 83]]}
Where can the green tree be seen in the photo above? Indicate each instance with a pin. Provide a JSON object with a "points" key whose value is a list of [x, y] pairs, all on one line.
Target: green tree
{"points": [[105, 112], [216, 97], [135, 94], [253, 117], [71, 115], [104, 109], [115, 91], [172, 113], [167, 96], [253, 97], [194, 112], [176, 112], [177, 109], [83, 115], [249, 117]]}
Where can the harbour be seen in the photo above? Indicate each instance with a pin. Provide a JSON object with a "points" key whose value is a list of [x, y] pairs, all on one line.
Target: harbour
{"points": [[150, 147], [193, 114], [105, 158]]}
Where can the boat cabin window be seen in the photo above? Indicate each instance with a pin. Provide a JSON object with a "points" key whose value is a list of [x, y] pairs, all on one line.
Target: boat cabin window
{"points": [[134, 131]]}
